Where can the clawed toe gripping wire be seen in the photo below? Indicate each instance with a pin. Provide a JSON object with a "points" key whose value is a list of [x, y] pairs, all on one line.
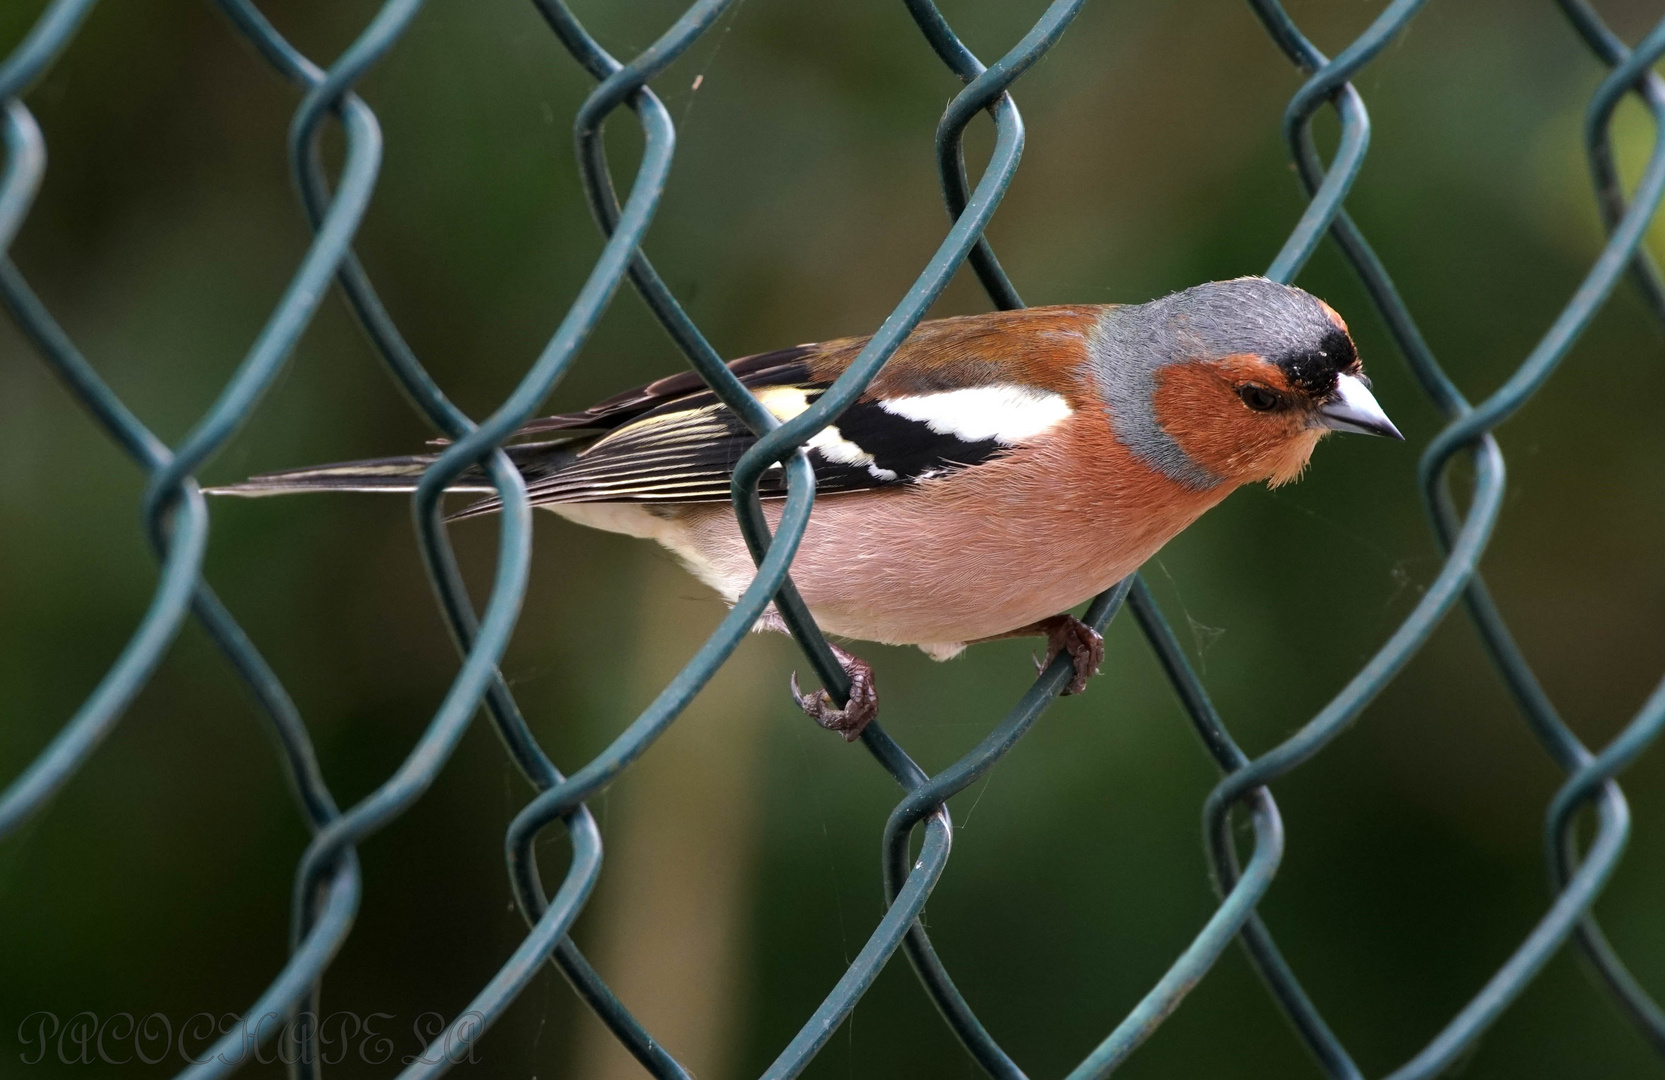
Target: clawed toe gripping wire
{"points": [[327, 882]]}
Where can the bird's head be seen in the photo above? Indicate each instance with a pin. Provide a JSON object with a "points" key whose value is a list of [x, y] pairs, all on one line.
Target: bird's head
{"points": [[1232, 382]]}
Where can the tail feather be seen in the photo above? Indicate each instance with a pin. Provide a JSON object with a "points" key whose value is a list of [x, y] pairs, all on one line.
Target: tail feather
{"points": [[376, 474], [392, 474]]}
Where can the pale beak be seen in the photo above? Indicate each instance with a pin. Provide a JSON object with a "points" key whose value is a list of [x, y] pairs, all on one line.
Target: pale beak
{"points": [[1353, 408]]}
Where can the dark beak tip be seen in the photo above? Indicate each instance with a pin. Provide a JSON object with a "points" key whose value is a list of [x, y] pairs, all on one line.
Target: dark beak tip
{"points": [[1382, 428], [1365, 425], [1387, 429]]}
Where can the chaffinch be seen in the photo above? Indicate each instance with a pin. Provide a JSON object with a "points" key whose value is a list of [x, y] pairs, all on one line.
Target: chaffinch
{"points": [[999, 470]]}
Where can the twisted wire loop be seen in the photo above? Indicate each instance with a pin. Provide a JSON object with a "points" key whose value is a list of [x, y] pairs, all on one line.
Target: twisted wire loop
{"points": [[327, 883], [1604, 171], [175, 517], [985, 88], [178, 531], [1577, 883], [780, 443], [483, 640]]}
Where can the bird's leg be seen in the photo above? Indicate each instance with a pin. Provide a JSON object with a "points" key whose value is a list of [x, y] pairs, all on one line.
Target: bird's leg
{"points": [[858, 711], [1064, 633], [861, 708]]}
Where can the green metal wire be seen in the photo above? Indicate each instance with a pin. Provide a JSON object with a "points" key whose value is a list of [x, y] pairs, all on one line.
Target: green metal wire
{"points": [[327, 884]]}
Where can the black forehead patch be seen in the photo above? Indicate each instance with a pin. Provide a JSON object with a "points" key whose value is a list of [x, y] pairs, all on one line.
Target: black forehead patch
{"points": [[1314, 371]]}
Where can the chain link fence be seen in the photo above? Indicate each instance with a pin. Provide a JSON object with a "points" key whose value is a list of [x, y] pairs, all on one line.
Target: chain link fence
{"points": [[916, 841]]}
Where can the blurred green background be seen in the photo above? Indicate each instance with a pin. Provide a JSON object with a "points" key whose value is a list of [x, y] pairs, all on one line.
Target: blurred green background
{"points": [[742, 862]]}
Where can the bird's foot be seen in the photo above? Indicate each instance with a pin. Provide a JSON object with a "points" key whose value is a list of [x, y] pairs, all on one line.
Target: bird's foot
{"points": [[1066, 633], [862, 707]]}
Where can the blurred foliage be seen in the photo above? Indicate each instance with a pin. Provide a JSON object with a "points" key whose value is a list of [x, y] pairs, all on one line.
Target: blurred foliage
{"points": [[802, 203]]}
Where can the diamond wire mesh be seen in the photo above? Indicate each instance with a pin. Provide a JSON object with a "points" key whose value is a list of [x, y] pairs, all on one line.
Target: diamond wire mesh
{"points": [[327, 883]]}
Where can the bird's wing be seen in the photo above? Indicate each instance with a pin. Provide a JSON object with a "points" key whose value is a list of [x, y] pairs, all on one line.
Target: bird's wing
{"points": [[686, 450], [672, 441]]}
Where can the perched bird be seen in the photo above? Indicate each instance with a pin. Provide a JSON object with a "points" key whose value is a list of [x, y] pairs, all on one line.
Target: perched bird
{"points": [[999, 470]]}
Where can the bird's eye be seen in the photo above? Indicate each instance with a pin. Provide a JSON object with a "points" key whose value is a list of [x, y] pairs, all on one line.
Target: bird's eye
{"points": [[1259, 398]]}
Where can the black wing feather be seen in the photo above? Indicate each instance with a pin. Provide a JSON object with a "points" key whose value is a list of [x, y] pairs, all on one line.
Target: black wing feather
{"points": [[685, 451], [685, 389]]}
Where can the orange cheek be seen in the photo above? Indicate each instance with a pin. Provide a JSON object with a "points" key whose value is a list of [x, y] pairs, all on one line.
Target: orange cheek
{"points": [[1197, 404]]}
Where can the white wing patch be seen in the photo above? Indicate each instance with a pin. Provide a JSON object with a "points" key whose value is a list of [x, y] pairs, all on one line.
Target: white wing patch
{"points": [[836, 448], [788, 401], [1007, 413]]}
